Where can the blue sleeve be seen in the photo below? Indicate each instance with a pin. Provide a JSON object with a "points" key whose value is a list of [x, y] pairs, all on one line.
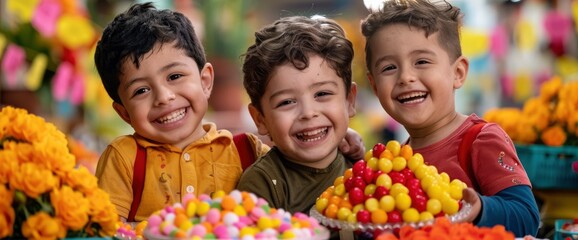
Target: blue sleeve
{"points": [[514, 207]]}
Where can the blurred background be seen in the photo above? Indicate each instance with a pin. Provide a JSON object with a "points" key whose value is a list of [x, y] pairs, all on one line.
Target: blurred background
{"points": [[46, 58]]}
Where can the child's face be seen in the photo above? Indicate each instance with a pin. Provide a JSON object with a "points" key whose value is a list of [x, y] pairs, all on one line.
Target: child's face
{"points": [[306, 113], [413, 76], [165, 99]]}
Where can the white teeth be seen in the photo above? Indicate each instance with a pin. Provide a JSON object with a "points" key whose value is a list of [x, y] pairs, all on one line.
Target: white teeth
{"points": [[312, 132], [311, 136], [414, 97], [172, 117]]}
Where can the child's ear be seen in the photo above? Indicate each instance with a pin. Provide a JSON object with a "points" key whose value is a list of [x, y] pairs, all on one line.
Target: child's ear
{"points": [[121, 111], [372, 82], [351, 99], [461, 67], [207, 75], [258, 119]]}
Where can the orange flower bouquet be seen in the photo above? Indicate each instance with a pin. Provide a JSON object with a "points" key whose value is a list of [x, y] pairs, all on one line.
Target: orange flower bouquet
{"points": [[550, 118], [42, 193]]}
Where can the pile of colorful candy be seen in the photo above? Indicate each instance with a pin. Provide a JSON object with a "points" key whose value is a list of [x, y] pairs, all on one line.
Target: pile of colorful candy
{"points": [[235, 215], [391, 185]]}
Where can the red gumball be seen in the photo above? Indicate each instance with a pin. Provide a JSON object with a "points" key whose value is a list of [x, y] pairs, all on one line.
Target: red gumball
{"points": [[363, 216], [397, 177], [420, 203], [368, 175], [394, 216], [359, 167], [358, 182], [407, 173], [378, 149], [348, 183], [413, 184], [356, 196], [380, 191]]}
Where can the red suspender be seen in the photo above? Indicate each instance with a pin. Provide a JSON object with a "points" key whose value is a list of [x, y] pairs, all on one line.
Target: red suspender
{"points": [[464, 152], [241, 142], [245, 150], [138, 179]]}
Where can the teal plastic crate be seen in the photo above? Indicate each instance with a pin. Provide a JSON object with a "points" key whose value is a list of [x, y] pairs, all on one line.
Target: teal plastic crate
{"points": [[549, 167], [562, 234]]}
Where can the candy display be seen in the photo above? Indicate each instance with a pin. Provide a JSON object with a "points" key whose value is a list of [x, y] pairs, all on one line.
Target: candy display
{"points": [[237, 215], [392, 187]]}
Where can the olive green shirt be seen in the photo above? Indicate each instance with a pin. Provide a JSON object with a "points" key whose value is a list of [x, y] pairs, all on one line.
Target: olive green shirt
{"points": [[289, 185]]}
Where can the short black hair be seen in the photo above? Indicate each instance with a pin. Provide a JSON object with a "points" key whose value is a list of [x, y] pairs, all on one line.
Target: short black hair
{"points": [[134, 33]]}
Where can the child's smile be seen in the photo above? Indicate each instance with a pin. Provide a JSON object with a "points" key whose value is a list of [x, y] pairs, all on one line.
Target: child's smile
{"points": [[412, 97], [312, 135]]}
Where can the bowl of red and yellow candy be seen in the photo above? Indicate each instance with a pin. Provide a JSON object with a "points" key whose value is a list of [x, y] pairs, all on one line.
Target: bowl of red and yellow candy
{"points": [[390, 188]]}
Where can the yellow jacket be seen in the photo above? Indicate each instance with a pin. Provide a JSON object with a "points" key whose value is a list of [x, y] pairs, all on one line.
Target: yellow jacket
{"points": [[209, 164]]}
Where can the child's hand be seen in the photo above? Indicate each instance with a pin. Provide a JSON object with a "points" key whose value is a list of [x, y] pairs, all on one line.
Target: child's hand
{"points": [[352, 145], [471, 196]]}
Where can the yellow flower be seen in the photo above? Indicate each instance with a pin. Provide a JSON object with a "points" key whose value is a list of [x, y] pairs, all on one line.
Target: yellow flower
{"points": [[6, 212], [550, 89], [33, 180], [81, 179], [70, 206], [526, 132], [34, 161], [74, 31], [43, 226], [554, 136], [8, 165]]}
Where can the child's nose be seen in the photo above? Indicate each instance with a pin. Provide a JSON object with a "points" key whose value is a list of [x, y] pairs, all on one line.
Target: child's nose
{"points": [[308, 111], [406, 76], [164, 96]]}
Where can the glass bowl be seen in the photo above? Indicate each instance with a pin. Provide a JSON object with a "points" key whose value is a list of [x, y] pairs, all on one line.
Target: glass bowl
{"points": [[387, 227]]}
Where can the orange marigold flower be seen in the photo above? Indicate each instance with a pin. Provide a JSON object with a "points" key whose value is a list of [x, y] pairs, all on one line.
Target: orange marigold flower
{"points": [[43, 226], [32, 180], [554, 136], [8, 165], [6, 212], [81, 179], [550, 89], [70, 206]]}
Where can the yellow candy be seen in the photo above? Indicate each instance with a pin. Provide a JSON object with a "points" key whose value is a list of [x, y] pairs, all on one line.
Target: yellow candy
{"points": [[288, 235], [191, 209], [240, 211], [186, 225], [247, 231], [203, 208], [218, 194], [264, 223]]}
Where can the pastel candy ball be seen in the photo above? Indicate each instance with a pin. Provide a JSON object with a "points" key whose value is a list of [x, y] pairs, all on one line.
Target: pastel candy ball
{"points": [[204, 197], [170, 218], [221, 232], [257, 213], [154, 220], [213, 216], [230, 218], [237, 195], [233, 231], [187, 198], [198, 230]]}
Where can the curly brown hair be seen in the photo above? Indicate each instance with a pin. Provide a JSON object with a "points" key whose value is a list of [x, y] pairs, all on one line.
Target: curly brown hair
{"points": [[293, 39], [431, 17]]}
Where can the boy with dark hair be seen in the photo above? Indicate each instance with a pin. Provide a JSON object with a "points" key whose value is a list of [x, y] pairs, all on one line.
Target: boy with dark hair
{"points": [[298, 76], [415, 65]]}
